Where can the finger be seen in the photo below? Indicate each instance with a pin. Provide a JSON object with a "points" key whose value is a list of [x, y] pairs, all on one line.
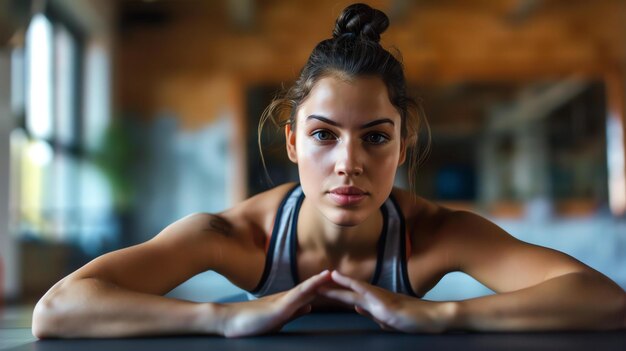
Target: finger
{"points": [[310, 285], [348, 282], [316, 281], [306, 291], [346, 296], [368, 292]]}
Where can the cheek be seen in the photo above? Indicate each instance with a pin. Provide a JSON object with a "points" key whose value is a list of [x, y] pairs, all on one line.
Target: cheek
{"points": [[383, 168], [314, 162], [311, 154], [384, 157]]}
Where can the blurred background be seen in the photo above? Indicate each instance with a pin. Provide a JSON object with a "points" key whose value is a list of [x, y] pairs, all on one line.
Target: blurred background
{"points": [[120, 117]]}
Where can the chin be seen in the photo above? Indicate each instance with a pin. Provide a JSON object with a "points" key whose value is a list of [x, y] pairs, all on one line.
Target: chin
{"points": [[347, 217]]}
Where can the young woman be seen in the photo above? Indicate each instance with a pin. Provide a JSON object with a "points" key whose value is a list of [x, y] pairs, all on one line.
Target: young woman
{"points": [[342, 236]]}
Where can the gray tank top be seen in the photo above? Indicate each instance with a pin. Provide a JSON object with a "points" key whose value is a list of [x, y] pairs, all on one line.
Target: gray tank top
{"points": [[281, 272]]}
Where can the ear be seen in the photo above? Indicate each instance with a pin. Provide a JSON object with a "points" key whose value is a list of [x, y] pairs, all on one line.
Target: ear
{"points": [[290, 142], [402, 152]]}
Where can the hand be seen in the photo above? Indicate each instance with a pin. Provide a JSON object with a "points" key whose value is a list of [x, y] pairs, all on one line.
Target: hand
{"points": [[394, 312], [271, 312]]}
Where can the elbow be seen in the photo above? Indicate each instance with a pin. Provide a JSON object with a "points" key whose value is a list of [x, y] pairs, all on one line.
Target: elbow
{"points": [[47, 321], [44, 317], [63, 312]]}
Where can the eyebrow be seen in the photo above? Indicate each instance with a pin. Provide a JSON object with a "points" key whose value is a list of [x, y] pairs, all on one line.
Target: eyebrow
{"points": [[365, 126]]}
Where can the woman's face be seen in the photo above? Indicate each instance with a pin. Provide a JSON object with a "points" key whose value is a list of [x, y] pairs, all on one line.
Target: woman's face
{"points": [[347, 145]]}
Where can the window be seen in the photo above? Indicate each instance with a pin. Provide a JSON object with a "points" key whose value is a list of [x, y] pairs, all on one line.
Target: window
{"points": [[60, 95]]}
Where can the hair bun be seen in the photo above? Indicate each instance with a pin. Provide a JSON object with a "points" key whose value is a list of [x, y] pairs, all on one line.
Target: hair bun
{"points": [[361, 21]]}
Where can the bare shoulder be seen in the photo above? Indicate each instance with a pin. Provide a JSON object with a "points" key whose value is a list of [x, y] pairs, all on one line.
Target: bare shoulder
{"points": [[421, 215], [437, 220], [193, 244], [242, 231], [446, 240], [258, 211], [439, 231], [428, 254], [247, 224]]}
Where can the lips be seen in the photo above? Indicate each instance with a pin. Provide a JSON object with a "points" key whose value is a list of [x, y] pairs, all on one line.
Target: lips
{"points": [[348, 195]]}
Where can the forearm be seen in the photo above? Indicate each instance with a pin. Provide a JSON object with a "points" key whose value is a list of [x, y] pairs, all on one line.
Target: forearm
{"points": [[576, 301], [93, 308]]}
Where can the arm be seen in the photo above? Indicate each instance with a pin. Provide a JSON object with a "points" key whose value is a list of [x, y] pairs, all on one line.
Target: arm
{"points": [[537, 288], [92, 307], [573, 301], [118, 294]]}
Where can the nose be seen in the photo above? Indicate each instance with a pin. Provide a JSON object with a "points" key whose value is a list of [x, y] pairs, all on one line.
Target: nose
{"points": [[349, 156]]}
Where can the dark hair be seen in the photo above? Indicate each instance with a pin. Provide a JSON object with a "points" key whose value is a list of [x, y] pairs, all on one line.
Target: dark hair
{"points": [[353, 51]]}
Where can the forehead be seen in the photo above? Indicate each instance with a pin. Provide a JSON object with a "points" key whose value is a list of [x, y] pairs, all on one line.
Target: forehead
{"points": [[357, 99]]}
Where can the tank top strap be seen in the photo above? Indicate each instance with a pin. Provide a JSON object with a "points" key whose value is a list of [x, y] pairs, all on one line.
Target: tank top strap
{"points": [[278, 273], [393, 274]]}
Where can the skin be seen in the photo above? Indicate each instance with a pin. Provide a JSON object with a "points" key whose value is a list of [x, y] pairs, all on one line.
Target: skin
{"points": [[537, 288]]}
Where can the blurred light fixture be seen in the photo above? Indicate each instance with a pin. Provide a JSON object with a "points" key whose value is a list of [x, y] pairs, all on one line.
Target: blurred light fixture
{"points": [[615, 163], [96, 110], [39, 77], [40, 152]]}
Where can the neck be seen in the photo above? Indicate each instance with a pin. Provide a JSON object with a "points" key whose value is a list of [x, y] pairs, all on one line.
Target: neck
{"points": [[317, 233]]}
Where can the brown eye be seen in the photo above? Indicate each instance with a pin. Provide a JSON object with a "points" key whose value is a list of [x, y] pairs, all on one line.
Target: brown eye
{"points": [[376, 138]]}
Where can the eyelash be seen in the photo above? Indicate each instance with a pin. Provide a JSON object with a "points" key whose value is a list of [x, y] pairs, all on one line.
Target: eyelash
{"points": [[384, 138], [316, 133]]}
